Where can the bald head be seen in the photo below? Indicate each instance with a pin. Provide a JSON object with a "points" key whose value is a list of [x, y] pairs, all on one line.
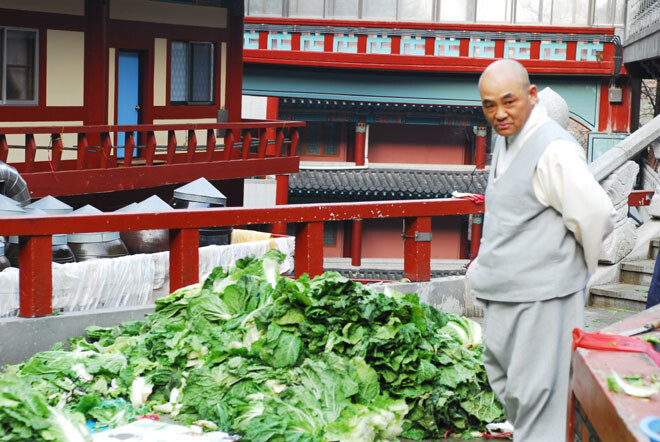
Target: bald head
{"points": [[507, 69], [507, 98]]}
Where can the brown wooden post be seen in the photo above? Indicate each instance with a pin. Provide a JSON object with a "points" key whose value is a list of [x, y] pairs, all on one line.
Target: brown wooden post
{"points": [[309, 249], [30, 152], [360, 141], [35, 276], [4, 148], [184, 258], [279, 141], [417, 248], [263, 143], [295, 139]]}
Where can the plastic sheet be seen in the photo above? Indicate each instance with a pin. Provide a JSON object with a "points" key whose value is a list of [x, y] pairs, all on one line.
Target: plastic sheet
{"points": [[130, 280]]}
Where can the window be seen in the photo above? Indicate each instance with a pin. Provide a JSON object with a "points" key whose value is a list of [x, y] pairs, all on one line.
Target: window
{"points": [[329, 233], [192, 68], [305, 8], [18, 66], [320, 139], [264, 7]]}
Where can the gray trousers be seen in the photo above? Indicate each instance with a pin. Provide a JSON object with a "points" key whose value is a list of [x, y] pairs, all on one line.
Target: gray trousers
{"points": [[527, 357]]}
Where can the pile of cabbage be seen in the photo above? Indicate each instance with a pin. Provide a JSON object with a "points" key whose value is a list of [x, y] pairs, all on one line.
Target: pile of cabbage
{"points": [[266, 357]]}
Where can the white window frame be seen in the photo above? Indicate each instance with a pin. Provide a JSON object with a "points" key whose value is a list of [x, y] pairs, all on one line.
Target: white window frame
{"points": [[3, 68]]}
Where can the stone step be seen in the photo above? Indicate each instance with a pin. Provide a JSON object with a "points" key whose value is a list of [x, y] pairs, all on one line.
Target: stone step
{"points": [[637, 272], [631, 297], [653, 248]]}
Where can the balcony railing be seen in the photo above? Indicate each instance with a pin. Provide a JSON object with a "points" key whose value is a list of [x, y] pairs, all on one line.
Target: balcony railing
{"points": [[642, 15], [93, 161], [35, 241]]}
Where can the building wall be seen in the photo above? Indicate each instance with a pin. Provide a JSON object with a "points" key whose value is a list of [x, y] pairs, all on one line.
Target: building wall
{"points": [[416, 144], [382, 239]]}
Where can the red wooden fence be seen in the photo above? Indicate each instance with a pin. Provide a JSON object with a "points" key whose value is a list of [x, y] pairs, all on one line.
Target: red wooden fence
{"points": [[35, 241]]}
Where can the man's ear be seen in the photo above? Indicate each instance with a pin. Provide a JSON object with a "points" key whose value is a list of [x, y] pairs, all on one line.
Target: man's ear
{"points": [[533, 94]]}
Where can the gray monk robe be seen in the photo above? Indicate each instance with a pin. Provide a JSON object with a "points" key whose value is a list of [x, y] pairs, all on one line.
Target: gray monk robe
{"points": [[531, 272]]}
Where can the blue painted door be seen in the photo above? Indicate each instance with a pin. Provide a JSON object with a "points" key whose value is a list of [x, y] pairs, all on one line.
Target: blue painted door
{"points": [[128, 94]]}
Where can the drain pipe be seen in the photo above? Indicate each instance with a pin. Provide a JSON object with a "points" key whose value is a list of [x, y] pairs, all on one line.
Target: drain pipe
{"points": [[13, 185]]}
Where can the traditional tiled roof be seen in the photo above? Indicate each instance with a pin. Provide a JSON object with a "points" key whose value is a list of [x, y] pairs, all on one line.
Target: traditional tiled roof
{"points": [[390, 275], [385, 183]]}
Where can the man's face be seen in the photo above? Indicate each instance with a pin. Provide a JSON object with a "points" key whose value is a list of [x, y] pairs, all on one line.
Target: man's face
{"points": [[506, 103]]}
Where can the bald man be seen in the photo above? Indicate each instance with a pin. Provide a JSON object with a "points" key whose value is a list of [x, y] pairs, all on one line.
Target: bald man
{"points": [[545, 220]]}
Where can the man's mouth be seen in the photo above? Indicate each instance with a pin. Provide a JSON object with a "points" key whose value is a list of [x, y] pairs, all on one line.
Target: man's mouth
{"points": [[503, 126]]}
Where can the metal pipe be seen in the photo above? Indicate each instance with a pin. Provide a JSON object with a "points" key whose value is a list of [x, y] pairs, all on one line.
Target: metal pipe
{"points": [[13, 185]]}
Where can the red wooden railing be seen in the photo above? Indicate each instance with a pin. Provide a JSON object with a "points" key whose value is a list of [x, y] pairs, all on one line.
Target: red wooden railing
{"points": [[97, 168], [35, 242]]}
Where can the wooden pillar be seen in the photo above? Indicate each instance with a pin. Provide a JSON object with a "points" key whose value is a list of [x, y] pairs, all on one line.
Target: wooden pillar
{"points": [[356, 243], [475, 236], [309, 249], [417, 248], [281, 198], [184, 258], [272, 113], [480, 149], [360, 141], [235, 61], [35, 276], [96, 62]]}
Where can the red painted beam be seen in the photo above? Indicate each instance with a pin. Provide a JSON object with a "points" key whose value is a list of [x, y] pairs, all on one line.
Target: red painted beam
{"points": [[417, 249], [419, 62], [309, 249], [640, 197], [480, 151], [230, 216], [35, 278], [475, 235], [77, 182], [184, 258]]}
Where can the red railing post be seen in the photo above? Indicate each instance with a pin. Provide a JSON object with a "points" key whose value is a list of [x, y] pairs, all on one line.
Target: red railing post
{"points": [[106, 149], [229, 143], [295, 139], [192, 146], [356, 243], [210, 144], [171, 146], [184, 258], [56, 147], [35, 275], [263, 143], [247, 141], [475, 235], [309, 249], [81, 160], [151, 148], [417, 248], [281, 198], [129, 148], [279, 141], [30, 152]]}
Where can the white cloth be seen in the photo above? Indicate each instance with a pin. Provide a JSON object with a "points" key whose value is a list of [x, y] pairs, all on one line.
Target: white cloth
{"points": [[564, 183]]}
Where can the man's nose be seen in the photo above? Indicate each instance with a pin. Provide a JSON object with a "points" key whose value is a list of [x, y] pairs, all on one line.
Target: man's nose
{"points": [[500, 114]]}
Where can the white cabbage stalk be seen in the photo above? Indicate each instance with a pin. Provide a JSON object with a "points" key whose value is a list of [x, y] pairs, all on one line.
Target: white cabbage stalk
{"points": [[635, 390], [166, 408], [140, 391], [207, 425], [275, 386], [271, 271]]}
